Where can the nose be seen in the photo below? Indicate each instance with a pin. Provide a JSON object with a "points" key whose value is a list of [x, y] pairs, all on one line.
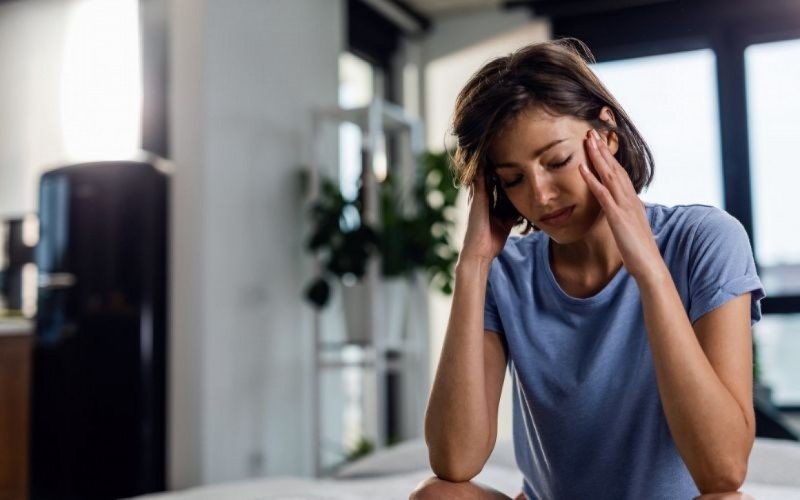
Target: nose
{"points": [[543, 188]]}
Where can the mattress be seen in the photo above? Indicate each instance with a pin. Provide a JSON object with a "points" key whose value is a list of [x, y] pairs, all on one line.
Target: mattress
{"points": [[774, 474]]}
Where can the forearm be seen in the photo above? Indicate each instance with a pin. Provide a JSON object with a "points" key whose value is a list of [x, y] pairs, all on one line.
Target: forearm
{"points": [[710, 428], [457, 421]]}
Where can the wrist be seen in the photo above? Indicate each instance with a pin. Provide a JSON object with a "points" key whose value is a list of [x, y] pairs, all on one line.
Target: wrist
{"points": [[654, 276], [473, 263], [465, 260]]}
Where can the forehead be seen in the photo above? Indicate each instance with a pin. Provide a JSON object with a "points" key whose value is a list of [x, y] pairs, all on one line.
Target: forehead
{"points": [[531, 130]]}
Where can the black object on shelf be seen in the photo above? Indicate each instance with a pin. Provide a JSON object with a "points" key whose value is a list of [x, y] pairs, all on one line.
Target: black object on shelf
{"points": [[18, 255], [769, 421], [98, 428]]}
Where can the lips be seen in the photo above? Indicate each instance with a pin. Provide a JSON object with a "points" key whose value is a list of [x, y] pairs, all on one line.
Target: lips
{"points": [[553, 215]]}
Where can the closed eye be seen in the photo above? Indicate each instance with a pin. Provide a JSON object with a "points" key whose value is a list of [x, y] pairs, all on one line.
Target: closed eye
{"points": [[562, 163], [516, 180]]}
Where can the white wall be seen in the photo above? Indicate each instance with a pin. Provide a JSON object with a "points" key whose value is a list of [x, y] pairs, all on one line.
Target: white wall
{"points": [[457, 48], [447, 72], [31, 37], [68, 90], [244, 78], [187, 349], [454, 33]]}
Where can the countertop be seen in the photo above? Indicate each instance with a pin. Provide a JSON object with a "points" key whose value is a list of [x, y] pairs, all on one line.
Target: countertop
{"points": [[15, 326]]}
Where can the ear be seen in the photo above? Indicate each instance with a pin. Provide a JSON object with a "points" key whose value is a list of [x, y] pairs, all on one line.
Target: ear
{"points": [[612, 140]]}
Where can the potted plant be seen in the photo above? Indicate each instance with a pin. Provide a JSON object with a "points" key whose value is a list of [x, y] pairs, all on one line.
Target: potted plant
{"points": [[343, 242], [412, 234]]}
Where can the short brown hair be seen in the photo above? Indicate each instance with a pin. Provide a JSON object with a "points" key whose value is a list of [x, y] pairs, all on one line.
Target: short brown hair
{"points": [[555, 77]]}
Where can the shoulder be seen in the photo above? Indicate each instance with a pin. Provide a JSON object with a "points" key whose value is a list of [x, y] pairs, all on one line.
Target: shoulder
{"points": [[700, 235], [520, 249], [518, 254], [695, 220]]}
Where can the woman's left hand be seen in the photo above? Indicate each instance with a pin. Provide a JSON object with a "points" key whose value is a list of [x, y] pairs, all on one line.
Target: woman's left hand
{"points": [[624, 210]]}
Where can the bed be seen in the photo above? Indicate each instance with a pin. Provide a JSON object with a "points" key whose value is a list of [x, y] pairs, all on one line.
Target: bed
{"points": [[774, 474]]}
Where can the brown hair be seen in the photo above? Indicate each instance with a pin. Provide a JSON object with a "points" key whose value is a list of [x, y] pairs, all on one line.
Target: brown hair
{"points": [[554, 77]]}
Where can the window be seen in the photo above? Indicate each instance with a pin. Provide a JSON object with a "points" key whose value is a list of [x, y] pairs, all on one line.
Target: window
{"points": [[356, 89], [101, 92], [773, 108], [778, 345], [672, 99]]}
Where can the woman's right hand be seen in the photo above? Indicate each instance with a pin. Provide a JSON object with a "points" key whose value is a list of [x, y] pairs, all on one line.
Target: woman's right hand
{"points": [[486, 234]]}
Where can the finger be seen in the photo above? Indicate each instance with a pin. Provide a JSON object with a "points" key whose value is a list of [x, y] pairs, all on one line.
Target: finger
{"points": [[604, 170], [623, 186], [602, 146], [608, 169], [597, 188], [479, 191]]}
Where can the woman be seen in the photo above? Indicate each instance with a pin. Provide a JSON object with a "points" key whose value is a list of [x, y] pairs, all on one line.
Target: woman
{"points": [[625, 326]]}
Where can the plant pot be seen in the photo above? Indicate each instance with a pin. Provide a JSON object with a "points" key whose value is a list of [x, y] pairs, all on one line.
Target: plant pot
{"points": [[394, 296], [355, 300]]}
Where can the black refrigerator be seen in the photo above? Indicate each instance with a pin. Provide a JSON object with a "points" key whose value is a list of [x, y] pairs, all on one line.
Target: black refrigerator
{"points": [[98, 402]]}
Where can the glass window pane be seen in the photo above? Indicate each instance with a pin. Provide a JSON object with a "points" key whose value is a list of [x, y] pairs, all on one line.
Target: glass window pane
{"points": [[773, 106], [672, 100], [356, 80], [777, 338], [356, 89]]}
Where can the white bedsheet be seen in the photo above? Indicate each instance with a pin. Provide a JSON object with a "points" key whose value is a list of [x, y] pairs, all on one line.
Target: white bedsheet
{"points": [[397, 486], [392, 487], [774, 474]]}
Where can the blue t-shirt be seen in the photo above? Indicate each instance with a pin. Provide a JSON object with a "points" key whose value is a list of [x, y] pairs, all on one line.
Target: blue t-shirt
{"points": [[588, 421]]}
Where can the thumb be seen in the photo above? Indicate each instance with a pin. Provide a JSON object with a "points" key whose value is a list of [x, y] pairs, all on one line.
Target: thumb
{"points": [[480, 184]]}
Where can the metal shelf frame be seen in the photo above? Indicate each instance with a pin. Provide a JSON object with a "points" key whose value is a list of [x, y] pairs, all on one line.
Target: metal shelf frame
{"points": [[374, 120]]}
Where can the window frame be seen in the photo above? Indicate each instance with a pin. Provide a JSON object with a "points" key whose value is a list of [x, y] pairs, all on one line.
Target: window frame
{"points": [[727, 28]]}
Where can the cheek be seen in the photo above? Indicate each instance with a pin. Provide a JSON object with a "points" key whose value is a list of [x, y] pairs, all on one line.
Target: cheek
{"points": [[584, 158], [518, 198], [514, 196], [570, 178]]}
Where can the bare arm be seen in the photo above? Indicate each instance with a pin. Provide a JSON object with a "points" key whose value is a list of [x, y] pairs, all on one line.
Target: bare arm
{"points": [[703, 371], [704, 376], [461, 419]]}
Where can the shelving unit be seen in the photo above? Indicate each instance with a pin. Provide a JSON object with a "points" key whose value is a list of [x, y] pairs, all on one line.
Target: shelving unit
{"points": [[410, 359]]}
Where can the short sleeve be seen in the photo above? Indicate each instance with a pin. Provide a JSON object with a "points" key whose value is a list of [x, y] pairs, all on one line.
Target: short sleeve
{"points": [[721, 266], [491, 316]]}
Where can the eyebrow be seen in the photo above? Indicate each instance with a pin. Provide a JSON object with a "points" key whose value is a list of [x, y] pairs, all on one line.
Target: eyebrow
{"points": [[536, 154]]}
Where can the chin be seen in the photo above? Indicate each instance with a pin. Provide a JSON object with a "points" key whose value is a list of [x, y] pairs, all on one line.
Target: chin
{"points": [[571, 233], [565, 236]]}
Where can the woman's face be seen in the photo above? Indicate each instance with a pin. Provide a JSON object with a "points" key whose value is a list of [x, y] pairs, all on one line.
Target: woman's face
{"points": [[536, 158]]}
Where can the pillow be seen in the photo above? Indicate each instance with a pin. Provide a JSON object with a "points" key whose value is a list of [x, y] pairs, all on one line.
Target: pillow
{"points": [[404, 457], [772, 461], [775, 461], [412, 456]]}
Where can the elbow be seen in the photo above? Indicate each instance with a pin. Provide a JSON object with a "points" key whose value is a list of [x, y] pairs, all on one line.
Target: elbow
{"points": [[727, 475], [454, 472], [724, 480], [451, 460], [455, 466]]}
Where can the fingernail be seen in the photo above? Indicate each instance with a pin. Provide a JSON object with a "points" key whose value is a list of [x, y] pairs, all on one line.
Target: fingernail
{"points": [[595, 134]]}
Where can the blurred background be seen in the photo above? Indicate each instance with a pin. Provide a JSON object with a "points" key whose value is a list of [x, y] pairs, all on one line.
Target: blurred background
{"points": [[227, 228]]}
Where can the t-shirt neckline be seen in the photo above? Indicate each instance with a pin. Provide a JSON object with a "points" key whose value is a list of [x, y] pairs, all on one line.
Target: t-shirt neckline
{"points": [[600, 297]]}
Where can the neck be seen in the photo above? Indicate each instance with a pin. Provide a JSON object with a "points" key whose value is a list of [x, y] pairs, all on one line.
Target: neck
{"points": [[596, 252]]}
